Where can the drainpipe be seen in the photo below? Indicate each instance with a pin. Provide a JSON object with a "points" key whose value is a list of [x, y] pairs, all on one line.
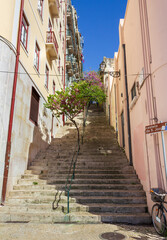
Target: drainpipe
{"points": [[128, 113], [8, 146], [65, 53]]}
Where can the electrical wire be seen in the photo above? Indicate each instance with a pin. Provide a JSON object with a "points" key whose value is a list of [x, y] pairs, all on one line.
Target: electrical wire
{"points": [[54, 75]]}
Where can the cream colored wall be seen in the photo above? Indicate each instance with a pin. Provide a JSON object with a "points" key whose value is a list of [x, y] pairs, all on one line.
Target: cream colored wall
{"points": [[7, 15], [37, 32], [27, 139]]}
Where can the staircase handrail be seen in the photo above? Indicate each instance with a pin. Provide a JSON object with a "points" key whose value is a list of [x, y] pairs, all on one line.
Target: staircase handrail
{"points": [[69, 181]]}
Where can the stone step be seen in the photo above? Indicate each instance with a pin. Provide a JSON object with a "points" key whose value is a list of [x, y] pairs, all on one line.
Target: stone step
{"points": [[33, 193], [84, 159], [32, 181], [30, 176], [36, 208], [95, 181], [88, 176], [38, 168], [92, 171], [34, 187], [131, 218], [36, 200], [116, 208], [103, 186], [35, 172], [48, 217], [78, 168], [82, 155], [114, 193], [111, 200], [95, 165]]}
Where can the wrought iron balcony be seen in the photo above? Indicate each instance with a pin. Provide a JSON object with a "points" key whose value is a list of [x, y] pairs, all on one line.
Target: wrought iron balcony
{"points": [[51, 45], [54, 8], [69, 37], [77, 34], [70, 72], [68, 62], [71, 49]]}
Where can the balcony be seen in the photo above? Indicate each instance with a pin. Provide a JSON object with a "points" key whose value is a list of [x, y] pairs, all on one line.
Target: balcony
{"points": [[68, 62], [77, 34], [51, 45], [77, 74], [70, 72], [69, 37], [71, 49], [54, 8]]}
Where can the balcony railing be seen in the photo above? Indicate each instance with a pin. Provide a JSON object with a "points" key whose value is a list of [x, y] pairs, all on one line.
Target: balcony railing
{"points": [[54, 6], [69, 36], [68, 62], [51, 45]]}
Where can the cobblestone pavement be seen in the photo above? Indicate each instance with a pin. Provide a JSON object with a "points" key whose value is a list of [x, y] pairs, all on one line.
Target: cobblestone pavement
{"points": [[29, 231]]}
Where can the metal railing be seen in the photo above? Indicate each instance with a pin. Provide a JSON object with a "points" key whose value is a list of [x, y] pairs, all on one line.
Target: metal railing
{"points": [[72, 169], [51, 38]]}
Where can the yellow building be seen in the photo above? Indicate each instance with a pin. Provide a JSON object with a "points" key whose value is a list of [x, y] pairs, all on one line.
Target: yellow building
{"points": [[33, 64]]}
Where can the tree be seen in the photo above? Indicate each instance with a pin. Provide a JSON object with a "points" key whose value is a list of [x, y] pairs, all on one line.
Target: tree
{"points": [[72, 100]]}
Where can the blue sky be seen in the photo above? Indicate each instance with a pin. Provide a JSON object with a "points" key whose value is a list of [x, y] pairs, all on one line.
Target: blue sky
{"points": [[98, 23]]}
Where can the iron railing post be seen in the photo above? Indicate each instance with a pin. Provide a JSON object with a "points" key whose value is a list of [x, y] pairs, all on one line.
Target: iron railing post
{"points": [[68, 201]]}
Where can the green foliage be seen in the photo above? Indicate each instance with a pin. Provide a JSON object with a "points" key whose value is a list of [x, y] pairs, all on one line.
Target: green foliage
{"points": [[72, 100]]}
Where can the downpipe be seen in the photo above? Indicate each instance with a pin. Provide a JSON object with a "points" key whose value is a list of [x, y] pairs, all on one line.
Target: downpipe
{"points": [[128, 113]]}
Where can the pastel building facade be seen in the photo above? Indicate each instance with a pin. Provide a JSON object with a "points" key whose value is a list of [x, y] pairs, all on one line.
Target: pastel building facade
{"points": [[32, 66], [138, 96], [74, 46]]}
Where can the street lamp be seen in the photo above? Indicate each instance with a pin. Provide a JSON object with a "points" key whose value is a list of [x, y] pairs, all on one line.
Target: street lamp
{"points": [[114, 74]]}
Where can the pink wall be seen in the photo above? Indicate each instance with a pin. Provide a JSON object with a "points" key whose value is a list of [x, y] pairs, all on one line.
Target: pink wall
{"points": [[144, 34]]}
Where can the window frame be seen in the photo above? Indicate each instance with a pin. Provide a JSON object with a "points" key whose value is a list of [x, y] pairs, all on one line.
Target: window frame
{"points": [[34, 97], [133, 91], [46, 76], [24, 27], [54, 87], [59, 62], [40, 8], [36, 56]]}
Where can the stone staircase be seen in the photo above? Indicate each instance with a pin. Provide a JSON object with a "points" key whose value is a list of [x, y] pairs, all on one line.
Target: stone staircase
{"points": [[105, 189]]}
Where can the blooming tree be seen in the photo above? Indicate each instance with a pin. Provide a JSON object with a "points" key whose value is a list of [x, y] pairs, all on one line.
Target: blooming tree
{"points": [[72, 100]]}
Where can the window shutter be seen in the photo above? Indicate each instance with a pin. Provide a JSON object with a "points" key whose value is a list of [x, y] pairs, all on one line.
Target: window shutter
{"points": [[34, 106]]}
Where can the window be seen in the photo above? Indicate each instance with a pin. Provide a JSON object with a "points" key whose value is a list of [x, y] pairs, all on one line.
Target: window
{"points": [[49, 26], [34, 106], [54, 87], [62, 74], [133, 91], [59, 65], [60, 31], [36, 56], [63, 45], [46, 76], [40, 7], [24, 31]]}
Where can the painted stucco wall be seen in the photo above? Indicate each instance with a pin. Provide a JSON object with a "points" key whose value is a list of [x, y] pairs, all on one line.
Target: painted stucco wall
{"points": [[27, 138], [144, 34]]}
